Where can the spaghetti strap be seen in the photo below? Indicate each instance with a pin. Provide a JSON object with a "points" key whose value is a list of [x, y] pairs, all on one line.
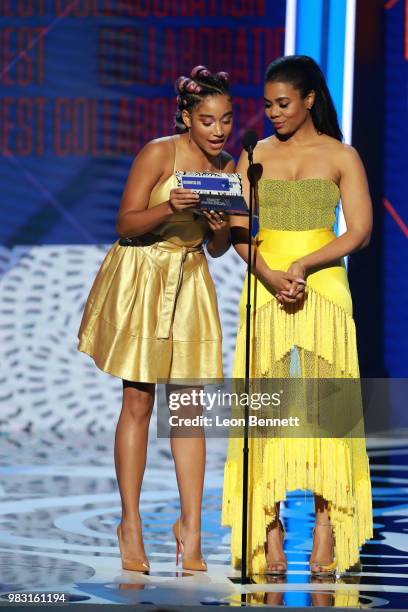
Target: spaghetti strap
{"points": [[175, 153]]}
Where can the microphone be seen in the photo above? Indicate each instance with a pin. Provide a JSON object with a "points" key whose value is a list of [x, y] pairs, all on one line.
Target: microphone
{"points": [[250, 141]]}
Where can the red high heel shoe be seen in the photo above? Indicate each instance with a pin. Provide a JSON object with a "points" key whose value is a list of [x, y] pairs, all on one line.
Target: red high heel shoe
{"points": [[198, 565], [136, 565]]}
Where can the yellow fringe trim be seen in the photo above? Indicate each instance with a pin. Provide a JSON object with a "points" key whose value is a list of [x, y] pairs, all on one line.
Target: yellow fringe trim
{"points": [[321, 465], [320, 327], [335, 468]]}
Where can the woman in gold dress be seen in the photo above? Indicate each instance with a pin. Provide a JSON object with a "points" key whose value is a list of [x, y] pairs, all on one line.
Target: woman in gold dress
{"points": [[152, 310], [302, 322]]}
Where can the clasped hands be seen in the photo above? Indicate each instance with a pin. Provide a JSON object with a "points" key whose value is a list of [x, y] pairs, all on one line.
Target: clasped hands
{"points": [[288, 287]]}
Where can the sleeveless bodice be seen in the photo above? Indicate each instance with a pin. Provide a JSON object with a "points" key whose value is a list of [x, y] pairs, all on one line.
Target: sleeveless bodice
{"points": [[302, 204], [182, 228]]}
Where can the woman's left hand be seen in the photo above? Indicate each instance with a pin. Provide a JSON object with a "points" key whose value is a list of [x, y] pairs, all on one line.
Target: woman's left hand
{"points": [[297, 289], [218, 221], [219, 240]]}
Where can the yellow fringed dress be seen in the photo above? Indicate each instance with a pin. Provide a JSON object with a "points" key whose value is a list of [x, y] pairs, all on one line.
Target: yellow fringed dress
{"points": [[296, 218]]}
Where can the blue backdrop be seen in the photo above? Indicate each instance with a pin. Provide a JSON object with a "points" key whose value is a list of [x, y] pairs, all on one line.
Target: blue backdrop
{"points": [[395, 188], [85, 85]]}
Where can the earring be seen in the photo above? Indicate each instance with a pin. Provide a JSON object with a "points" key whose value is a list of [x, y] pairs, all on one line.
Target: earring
{"points": [[189, 135]]}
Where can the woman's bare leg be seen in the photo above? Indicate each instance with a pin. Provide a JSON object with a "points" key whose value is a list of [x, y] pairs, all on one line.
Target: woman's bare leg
{"points": [[275, 555], [189, 458], [323, 538], [130, 460]]}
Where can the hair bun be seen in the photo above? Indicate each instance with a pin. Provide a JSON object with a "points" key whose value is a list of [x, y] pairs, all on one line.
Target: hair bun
{"points": [[223, 75], [180, 84], [192, 87], [200, 71]]}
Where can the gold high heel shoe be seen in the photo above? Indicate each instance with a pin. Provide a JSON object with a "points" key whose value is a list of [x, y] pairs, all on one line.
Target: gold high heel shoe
{"points": [[327, 569], [198, 565], [283, 563], [135, 565]]}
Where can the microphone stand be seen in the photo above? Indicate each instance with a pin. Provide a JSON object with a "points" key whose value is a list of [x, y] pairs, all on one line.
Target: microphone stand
{"points": [[245, 579], [249, 143]]}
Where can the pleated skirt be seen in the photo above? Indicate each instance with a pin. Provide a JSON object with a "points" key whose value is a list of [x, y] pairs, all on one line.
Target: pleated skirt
{"points": [[152, 314]]}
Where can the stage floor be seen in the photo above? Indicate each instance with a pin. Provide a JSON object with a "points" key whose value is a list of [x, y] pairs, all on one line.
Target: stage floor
{"points": [[59, 507]]}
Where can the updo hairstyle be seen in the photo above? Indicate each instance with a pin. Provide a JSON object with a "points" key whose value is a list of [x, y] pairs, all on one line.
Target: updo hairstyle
{"points": [[192, 90]]}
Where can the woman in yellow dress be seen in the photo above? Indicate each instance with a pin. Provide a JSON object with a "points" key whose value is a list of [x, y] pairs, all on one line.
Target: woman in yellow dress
{"points": [[152, 310], [302, 322]]}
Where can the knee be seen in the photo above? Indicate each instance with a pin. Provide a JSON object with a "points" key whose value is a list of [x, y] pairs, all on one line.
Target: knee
{"points": [[138, 405]]}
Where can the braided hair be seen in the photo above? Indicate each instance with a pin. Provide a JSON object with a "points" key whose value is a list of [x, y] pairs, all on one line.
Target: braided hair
{"points": [[304, 74], [192, 90]]}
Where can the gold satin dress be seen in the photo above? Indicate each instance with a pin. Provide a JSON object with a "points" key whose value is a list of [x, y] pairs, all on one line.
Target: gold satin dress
{"points": [[152, 312], [315, 340]]}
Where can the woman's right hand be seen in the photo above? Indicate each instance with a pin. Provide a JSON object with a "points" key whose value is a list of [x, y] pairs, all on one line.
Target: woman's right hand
{"points": [[181, 199], [278, 281]]}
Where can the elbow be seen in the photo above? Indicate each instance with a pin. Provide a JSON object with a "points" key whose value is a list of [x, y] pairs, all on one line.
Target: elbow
{"points": [[119, 227], [359, 238], [365, 240], [119, 231], [122, 228]]}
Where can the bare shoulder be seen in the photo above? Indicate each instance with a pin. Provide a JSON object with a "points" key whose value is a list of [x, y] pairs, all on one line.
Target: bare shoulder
{"points": [[264, 148], [159, 148], [347, 158], [261, 152], [343, 157], [348, 152], [343, 152], [155, 159], [266, 143]]}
